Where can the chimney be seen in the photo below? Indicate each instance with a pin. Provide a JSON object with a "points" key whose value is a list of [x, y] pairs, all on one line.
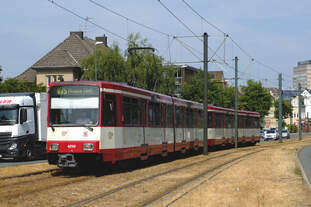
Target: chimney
{"points": [[79, 33], [102, 40]]}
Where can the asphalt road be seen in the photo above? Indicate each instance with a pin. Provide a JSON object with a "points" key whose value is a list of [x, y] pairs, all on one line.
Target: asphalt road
{"points": [[10, 162], [304, 156]]}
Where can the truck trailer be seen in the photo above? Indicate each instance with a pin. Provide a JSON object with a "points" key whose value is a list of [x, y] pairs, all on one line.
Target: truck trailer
{"points": [[23, 125]]}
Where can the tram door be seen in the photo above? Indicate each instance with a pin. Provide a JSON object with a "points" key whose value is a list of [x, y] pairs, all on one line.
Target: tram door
{"points": [[143, 118], [145, 130], [163, 120]]}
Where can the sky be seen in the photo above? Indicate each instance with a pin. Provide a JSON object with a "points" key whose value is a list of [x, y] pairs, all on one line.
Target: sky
{"points": [[276, 34]]}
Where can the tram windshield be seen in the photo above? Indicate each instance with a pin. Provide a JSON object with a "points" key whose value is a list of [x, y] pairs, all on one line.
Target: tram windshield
{"points": [[74, 105]]}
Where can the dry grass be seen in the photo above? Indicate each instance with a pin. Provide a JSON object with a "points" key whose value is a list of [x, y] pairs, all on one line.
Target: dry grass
{"points": [[23, 169], [270, 178]]}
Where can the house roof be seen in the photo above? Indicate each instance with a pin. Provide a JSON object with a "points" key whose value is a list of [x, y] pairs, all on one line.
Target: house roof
{"points": [[68, 53], [28, 75]]}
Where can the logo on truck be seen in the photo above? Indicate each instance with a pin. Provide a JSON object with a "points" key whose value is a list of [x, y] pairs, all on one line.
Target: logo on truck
{"points": [[5, 101]]}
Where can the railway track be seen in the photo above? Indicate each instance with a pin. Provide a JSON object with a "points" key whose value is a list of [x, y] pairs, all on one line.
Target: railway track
{"points": [[13, 187], [29, 174], [155, 176], [211, 173]]}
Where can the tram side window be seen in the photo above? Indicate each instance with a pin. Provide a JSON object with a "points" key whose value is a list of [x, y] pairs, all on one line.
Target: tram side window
{"points": [[170, 116], [130, 111], [196, 120], [210, 119], [109, 110], [201, 119], [219, 120], [154, 114], [163, 117], [256, 123], [229, 121], [179, 117], [142, 112], [189, 118], [241, 121]]}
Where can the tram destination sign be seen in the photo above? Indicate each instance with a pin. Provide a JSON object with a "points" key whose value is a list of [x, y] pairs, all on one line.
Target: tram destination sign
{"points": [[74, 91]]}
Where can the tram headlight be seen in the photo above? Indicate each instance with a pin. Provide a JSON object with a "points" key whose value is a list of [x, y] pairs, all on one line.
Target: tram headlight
{"points": [[54, 147], [88, 147], [13, 146]]}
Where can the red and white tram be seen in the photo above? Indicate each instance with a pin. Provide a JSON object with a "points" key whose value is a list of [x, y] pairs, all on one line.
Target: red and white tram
{"points": [[109, 122]]}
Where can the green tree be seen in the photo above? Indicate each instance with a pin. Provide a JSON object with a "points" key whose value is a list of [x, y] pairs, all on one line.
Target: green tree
{"points": [[228, 97], [146, 69], [287, 109], [140, 68], [218, 94], [110, 65], [13, 85], [255, 98]]}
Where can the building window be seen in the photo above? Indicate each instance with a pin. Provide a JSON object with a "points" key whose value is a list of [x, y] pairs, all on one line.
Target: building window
{"points": [[48, 77], [178, 77], [54, 78]]}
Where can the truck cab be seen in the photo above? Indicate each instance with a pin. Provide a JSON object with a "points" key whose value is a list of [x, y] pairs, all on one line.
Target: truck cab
{"points": [[21, 122]]}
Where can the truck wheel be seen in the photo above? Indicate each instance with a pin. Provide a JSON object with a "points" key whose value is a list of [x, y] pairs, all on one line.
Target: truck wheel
{"points": [[29, 155]]}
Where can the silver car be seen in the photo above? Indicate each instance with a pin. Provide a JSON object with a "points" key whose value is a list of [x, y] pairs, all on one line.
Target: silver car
{"points": [[285, 134], [270, 135]]}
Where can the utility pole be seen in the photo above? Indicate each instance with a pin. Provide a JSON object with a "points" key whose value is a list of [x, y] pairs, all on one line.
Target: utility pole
{"points": [[205, 64], [299, 111], [236, 133], [280, 108]]}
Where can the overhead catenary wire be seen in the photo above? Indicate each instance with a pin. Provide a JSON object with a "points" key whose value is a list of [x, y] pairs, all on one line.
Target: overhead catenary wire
{"points": [[188, 47], [179, 20], [188, 28], [87, 20], [234, 42], [129, 19], [95, 24]]}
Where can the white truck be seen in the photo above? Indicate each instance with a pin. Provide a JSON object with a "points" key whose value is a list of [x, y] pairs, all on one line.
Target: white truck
{"points": [[23, 125]]}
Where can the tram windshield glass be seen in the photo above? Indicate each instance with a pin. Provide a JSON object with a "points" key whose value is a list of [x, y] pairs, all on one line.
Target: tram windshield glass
{"points": [[74, 105]]}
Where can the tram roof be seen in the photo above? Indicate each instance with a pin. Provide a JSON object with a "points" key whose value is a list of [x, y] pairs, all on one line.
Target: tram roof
{"points": [[154, 95]]}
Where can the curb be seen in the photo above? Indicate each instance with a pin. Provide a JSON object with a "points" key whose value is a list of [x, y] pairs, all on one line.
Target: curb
{"points": [[302, 169]]}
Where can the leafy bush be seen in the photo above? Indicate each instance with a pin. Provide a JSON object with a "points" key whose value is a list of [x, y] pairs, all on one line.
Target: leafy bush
{"points": [[292, 128]]}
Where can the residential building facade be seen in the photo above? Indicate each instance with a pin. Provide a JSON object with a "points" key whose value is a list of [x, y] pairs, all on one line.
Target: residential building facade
{"points": [[302, 75], [185, 72], [63, 62]]}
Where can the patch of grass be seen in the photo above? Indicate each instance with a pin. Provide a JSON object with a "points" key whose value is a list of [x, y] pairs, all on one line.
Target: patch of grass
{"points": [[261, 201], [297, 171]]}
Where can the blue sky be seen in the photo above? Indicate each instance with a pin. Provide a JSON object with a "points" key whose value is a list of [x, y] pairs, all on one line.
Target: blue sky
{"points": [[276, 33]]}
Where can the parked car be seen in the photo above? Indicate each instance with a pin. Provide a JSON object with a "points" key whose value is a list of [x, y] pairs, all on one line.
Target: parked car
{"points": [[262, 133], [285, 134], [270, 135]]}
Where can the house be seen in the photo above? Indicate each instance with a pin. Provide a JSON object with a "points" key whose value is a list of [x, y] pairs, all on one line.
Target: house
{"points": [[63, 62], [185, 72]]}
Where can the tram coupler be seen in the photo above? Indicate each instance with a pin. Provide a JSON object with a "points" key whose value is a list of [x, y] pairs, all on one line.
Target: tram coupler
{"points": [[66, 160]]}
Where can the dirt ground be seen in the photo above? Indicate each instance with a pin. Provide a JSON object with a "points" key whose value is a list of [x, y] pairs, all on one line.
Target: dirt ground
{"points": [[269, 178]]}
